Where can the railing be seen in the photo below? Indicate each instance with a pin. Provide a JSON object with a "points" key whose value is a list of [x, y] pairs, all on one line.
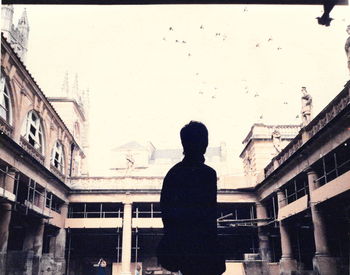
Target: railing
{"points": [[95, 214], [297, 194], [31, 150], [5, 128], [3, 192], [334, 173], [57, 172], [147, 214], [52, 202]]}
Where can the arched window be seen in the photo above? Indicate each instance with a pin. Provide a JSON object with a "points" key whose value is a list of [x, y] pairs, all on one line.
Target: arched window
{"points": [[5, 103], [57, 159], [32, 131]]}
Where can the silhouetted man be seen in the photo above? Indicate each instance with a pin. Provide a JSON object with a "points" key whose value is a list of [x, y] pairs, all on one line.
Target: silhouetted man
{"points": [[189, 209]]}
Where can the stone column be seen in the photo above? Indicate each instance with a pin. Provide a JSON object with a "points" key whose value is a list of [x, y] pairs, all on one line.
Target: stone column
{"points": [[34, 242], [5, 218], [287, 262], [264, 245], [323, 263], [127, 235], [60, 243]]}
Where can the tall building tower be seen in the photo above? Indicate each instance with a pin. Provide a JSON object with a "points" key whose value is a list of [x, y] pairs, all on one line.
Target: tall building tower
{"points": [[18, 35], [72, 105]]}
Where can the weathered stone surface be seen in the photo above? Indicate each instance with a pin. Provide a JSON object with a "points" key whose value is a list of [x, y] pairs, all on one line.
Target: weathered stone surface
{"points": [[20, 262], [255, 267]]}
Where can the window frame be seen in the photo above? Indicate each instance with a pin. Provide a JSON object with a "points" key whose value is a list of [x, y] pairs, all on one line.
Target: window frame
{"points": [[38, 135], [58, 148], [5, 96]]}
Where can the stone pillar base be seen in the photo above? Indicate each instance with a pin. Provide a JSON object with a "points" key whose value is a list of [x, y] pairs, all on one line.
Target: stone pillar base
{"points": [[288, 266], [20, 262], [60, 266], [325, 265], [3, 256], [36, 270], [255, 267]]}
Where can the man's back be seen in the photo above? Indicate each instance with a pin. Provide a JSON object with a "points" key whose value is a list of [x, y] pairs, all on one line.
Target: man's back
{"points": [[188, 199], [188, 205]]}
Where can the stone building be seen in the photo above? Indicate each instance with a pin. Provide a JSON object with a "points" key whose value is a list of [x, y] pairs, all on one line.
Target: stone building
{"points": [[291, 214], [16, 35], [144, 159], [37, 154]]}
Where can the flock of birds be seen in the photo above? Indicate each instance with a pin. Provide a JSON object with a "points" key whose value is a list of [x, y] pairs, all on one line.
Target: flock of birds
{"points": [[213, 93]]}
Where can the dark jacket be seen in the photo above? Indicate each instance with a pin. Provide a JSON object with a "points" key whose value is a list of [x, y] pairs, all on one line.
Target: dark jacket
{"points": [[189, 208]]}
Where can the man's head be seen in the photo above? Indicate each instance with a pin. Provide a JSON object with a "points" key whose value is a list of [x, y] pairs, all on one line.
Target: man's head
{"points": [[194, 138]]}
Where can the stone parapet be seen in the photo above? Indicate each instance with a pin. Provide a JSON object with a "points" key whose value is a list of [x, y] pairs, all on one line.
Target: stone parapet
{"points": [[5, 128], [32, 151]]}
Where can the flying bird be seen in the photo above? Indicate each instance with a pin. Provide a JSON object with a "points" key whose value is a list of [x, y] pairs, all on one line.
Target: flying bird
{"points": [[171, 29], [257, 45], [245, 9], [269, 40], [279, 48], [285, 103], [201, 27], [183, 41], [256, 95]]}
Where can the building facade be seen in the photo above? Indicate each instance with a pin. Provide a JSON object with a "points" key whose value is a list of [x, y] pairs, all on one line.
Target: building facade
{"points": [[37, 155], [289, 214]]}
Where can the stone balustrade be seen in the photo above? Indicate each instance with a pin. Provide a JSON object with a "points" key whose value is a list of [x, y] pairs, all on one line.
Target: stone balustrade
{"points": [[318, 123], [57, 173], [5, 128], [31, 150]]}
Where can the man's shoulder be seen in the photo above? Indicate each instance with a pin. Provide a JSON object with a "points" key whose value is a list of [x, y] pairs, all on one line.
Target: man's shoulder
{"points": [[173, 169], [209, 169], [179, 166]]}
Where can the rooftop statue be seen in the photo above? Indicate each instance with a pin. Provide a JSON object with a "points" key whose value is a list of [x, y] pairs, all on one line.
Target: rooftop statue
{"points": [[306, 106], [347, 46], [276, 140]]}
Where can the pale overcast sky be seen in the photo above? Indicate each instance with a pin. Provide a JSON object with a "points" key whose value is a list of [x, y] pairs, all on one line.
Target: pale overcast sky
{"points": [[151, 69]]}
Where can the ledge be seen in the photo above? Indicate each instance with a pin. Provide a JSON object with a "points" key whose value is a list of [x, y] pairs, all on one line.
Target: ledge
{"points": [[31, 150]]}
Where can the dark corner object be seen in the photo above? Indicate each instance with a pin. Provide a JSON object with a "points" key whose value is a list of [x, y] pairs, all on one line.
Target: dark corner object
{"points": [[325, 19], [165, 2]]}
